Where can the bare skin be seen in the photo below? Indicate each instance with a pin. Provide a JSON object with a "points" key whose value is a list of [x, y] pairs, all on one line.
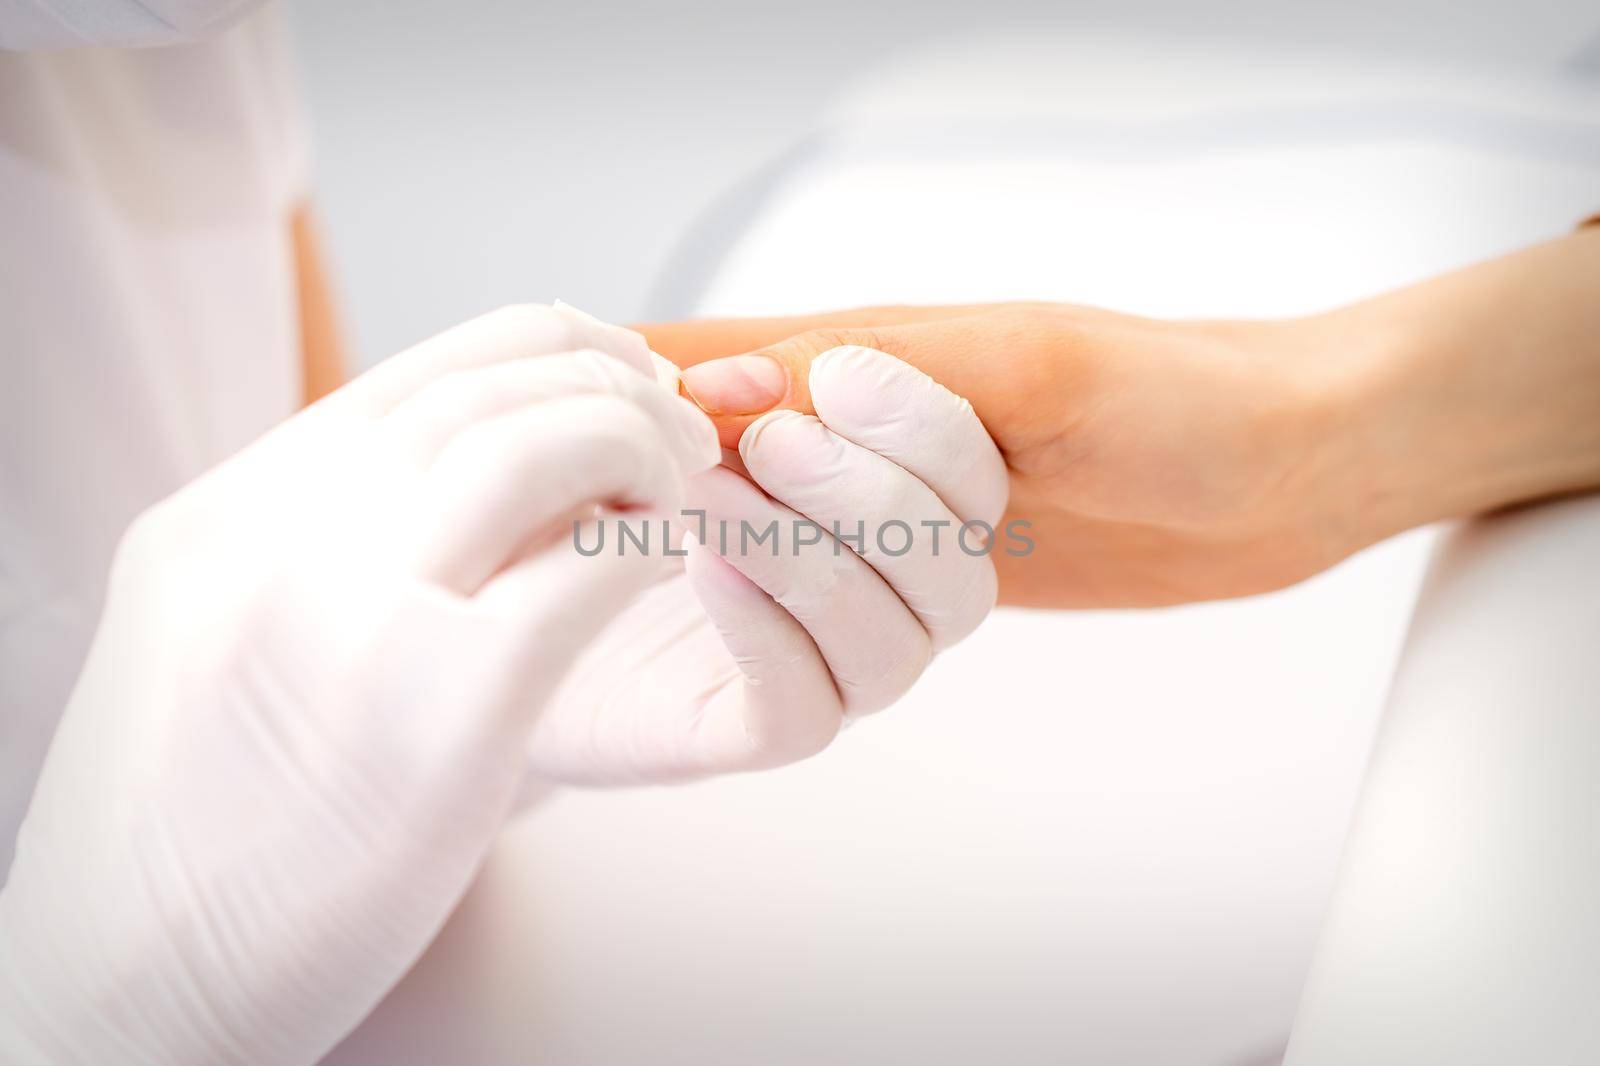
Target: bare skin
{"points": [[1163, 462], [321, 345]]}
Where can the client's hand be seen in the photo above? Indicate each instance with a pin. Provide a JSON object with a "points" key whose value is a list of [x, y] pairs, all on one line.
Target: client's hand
{"points": [[750, 652], [1156, 462], [1160, 462]]}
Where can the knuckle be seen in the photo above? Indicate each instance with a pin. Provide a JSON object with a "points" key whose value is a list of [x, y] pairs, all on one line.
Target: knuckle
{"points": [[613, 466], [970, 602], [624, 441], [520, 314], [900, 495], [878, 684], [1054, 337], [608, 373], [448, 397], [532, 321], [818, 341], [809, 735], [1049, 351], [618, 424]]}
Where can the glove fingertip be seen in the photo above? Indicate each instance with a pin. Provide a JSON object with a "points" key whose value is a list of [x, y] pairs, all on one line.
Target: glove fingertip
{"points": [[619, 342], [702, 449]]}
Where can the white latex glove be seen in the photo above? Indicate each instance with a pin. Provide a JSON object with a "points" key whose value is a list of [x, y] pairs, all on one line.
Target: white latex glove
{"points": [[742, 660], [306, 710]]}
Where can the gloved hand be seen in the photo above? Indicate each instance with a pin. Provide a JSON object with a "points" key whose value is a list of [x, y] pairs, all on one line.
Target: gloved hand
{"points": [[306, 708], [750, 655]]}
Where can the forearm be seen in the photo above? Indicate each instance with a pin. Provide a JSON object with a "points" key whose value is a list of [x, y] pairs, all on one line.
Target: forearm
{"points": [[1472, 391], [323, 364]]}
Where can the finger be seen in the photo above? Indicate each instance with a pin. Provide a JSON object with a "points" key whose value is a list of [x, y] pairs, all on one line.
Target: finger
{"points": [[558, 601], [1017, 366], [890, 407], [873, 645], [691, 342], [430, 418], [512, 332], [784, 707], [502, 484], [567, 596], [908, 535]]}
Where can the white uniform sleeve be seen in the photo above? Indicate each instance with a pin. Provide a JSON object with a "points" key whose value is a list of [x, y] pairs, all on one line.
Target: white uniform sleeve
{"points": [[41, 24]]}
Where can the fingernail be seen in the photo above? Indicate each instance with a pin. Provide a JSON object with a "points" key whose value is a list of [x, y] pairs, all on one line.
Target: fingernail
{"points": [[737, 385]]}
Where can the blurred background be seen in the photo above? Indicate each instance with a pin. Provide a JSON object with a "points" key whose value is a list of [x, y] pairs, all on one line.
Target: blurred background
{"points": [[1097, 837], [449, 137]]}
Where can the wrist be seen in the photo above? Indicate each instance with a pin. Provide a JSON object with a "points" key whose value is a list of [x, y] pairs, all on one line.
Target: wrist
{"points": [[1471, 392], [1378, 441]]}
